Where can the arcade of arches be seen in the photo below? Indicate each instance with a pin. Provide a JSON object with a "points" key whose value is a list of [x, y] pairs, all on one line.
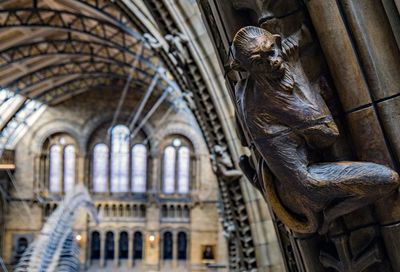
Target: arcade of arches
{"points": [[126, 98], [199, 135]]}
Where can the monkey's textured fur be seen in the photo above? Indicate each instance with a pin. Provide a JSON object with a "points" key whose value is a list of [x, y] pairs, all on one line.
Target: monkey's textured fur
{"points": [[285, 117]]}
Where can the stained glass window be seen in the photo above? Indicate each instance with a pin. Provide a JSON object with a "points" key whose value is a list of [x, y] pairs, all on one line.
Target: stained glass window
{"points": [[139, 168], [176, 168], [69, 167], [55, 169], [100, 168], [119, 159], [169, 170]]}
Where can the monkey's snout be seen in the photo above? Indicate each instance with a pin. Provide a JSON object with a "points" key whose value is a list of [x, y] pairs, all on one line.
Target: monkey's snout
{"points": [[276, 63]]}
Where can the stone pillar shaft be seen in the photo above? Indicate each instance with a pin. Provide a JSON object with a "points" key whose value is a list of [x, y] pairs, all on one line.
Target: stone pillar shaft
{"points": [[102, 249], [116, 249], [331, 30], [130, 249]]}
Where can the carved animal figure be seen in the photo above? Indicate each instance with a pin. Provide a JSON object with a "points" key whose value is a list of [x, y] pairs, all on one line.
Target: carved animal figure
{"points": [[285, 116], [223, 165]]}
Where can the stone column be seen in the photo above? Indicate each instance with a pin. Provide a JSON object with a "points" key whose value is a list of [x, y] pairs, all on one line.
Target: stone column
{"points": [[379, 54], [102, 249], [38, 182], [174, 250], [130, 249], [333, 36], [116, 249], [362, 56], [109, 169], [88, 249], [393, 17], [153, 178], [46, 172], [80, 169]]}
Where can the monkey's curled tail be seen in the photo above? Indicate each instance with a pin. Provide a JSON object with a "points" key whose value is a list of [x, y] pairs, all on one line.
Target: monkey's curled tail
{"points": [[310, 225]]}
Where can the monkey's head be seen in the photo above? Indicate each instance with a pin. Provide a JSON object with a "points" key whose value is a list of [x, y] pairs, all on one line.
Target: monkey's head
{"points": [[257, 51]]}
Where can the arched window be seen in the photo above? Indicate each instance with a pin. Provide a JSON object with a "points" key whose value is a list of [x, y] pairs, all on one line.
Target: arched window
{"points": [[55, 169], [114, 210], [95, 246], [186, 211], [176, 168], [100, 168], [121, 210], [179, 211], [69, 167], [109, 246], [106, 210], [183, 169], [47, 210], [60, 164], [169, 170], [22, 245], [123, 245], [182, 246], [137, 246], [167, 246], [119, 159], [117, 166], [139, 168], [142, 210], [164, 211]]}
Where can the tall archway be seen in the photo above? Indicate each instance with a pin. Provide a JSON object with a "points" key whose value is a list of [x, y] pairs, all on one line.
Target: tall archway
{"points": [[22, 245], [137, 246], [167, 246], [95, 247], [123, 245], [109, 246], [182, 246]]}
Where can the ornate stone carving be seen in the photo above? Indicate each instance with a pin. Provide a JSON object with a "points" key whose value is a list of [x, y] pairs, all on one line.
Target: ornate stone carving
{"points": [[178, 48], [286, 119], [223, 165], [347, 261]]}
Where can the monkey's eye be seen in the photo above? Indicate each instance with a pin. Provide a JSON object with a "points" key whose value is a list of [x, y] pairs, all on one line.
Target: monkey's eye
{"points": [[270, 53]]}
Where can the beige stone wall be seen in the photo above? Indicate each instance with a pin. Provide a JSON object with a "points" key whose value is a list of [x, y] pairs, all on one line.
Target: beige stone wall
{"points": [[79, 118], [187, 13]]}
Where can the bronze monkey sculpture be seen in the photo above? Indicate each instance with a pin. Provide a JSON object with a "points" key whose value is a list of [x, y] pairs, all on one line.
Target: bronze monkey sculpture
{"points": [[285, 116]]}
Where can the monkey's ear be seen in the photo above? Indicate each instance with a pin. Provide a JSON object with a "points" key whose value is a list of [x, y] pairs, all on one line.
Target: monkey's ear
{"points": [[235, 65], [278, 40]]}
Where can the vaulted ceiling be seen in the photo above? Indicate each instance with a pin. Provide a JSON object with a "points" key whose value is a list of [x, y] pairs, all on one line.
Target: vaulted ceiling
{"points": [[53, 50]]}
